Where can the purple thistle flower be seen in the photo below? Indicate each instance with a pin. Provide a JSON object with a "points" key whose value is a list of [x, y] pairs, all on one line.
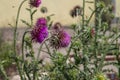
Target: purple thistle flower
{"points": [[57, 26], [64, 39], [35, 3], [38, 34], [41, 21], [60, 39]]}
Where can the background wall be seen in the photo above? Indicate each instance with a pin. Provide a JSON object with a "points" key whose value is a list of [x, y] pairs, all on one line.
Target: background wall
{"points": [[117, 8], [61, 9]]}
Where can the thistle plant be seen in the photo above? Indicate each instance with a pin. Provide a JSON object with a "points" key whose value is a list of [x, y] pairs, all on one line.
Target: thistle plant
{"points": [[85, 49]]}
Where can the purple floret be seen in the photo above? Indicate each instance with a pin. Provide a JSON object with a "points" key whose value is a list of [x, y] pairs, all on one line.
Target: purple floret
{"points": [[35, 3], [64, 39], [60, 39], [41, 21], [42, 34], [39, 34], [40, 31]]}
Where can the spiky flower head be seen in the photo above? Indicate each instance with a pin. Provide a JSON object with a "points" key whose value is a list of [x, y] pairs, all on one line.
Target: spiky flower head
{"points": [[64, 39], [41, 22], [35, 3], [60, 39], [40, 31]]}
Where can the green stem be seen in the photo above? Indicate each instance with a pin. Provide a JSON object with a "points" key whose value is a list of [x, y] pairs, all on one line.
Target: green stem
{"points": [[16, 25], [3, 72], [49, 52], [118, 60], [117, 52], [101, 65], [83, 16], [31, 16], [70, 48], [119, 69], [19, 70], [23, 52], [95, 40], [15, 36], [97, 26], [84, 50], [96, 12], [39, 51], [23, 43], [27, 73], [35, 71], [92, 14], [40, 48]]}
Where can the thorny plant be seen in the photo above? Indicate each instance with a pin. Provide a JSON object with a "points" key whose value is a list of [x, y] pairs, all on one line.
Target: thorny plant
{"points": [[89, 45]]}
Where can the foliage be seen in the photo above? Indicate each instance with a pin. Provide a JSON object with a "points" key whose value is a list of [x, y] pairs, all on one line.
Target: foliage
{"points": [[89, 45], [6, 51]]}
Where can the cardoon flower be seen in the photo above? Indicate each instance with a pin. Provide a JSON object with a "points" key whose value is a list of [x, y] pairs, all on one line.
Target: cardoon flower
{"points": [[35, 3], [64, 39], [41, 22], [60, 39], [38, 34]]}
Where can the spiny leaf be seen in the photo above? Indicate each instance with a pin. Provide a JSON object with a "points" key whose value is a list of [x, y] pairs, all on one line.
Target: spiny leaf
{"points": [[27, 9], [50, 25], [34, 12], [49, 17], [25, 22], [90, 8]]}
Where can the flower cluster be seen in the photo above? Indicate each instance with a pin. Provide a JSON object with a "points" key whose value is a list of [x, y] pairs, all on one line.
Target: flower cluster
{"points": [[40, 31], [59, 37], [35, 3]]}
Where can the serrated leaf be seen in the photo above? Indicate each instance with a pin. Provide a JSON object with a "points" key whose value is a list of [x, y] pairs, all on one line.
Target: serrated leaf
{"points": [[49, 17], [90, 8], [25, 22], [34, 12], [50, 25], [10, 25], [27, 9]]}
